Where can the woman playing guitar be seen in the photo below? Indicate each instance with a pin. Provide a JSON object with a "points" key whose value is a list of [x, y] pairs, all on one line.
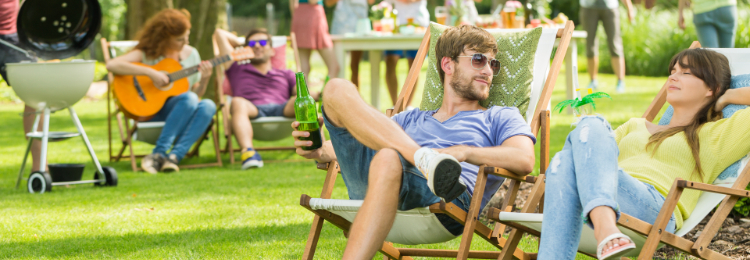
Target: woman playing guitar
{"points": [[165, 36]]}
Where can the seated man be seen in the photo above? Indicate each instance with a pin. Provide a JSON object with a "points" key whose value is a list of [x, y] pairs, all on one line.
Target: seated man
{"points": [[259, 90], [377, 155]]}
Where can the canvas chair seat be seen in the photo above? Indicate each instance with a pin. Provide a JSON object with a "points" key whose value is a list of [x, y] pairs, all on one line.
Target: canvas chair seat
{"points": [[411, 227]]}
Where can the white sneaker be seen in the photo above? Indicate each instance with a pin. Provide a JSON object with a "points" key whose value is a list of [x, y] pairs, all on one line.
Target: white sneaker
{"points": [[443, 173]]}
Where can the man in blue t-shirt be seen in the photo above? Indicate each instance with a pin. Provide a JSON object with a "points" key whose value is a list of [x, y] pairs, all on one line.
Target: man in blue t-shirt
{"points": [[446, 144]]}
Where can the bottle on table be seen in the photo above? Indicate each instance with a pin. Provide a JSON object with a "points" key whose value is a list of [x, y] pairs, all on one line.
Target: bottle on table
{"points": [[306, 113]]}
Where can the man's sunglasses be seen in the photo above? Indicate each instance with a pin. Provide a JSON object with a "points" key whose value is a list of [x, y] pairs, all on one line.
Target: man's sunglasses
{"points": [[478, 61], [262, 43]]}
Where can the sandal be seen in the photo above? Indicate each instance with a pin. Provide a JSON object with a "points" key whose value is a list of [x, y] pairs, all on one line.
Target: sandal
{"points": [[618, 250]]}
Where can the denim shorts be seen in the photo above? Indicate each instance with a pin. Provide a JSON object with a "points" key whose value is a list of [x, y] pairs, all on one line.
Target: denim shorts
{"points": [[408, 54], [354, 159], [267, 110]]}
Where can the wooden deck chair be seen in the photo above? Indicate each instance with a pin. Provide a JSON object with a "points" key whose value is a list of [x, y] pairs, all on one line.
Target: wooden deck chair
{"points": [[420, 226], [148, 132], [725, 191], [265, 128]]}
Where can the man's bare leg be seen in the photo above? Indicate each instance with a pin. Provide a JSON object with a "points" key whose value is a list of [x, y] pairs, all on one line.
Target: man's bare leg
{"points": [[242, 111], [375, 218], [391, 79], [345, 108], [356, 57], [414, 89], [36, 145]]}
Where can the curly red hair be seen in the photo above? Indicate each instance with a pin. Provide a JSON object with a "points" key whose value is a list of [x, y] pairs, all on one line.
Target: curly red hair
{"points": [[154, 38]]}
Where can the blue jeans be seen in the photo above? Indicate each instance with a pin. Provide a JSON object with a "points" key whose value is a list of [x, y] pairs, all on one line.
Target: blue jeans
{"points": [[354, 159], [186, 118], [583, 176], [717, 28]]}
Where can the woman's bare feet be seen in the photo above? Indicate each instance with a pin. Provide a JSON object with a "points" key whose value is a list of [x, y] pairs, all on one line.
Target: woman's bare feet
{"points": [[605, 225]]}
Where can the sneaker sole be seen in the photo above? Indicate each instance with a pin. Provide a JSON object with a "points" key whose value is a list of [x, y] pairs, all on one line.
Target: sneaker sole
{"points": [[444, 181], [249, 165]]}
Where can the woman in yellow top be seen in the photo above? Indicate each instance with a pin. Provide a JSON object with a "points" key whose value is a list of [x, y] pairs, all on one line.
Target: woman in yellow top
{"points": [[601, 173]]}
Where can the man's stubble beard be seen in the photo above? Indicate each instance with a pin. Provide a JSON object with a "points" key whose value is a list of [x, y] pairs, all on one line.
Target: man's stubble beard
{"points": [[464, 89]]}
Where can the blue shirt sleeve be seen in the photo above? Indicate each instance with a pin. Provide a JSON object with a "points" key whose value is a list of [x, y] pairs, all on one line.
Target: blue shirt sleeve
{"points": [[508, 122]]}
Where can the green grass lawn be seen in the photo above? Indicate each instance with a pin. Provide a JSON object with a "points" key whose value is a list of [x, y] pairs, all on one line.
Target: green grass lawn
{"points": [[211, 213]]}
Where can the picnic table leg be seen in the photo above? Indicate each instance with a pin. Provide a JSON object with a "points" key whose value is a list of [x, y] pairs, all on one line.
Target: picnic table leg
{"points": [[571, 59], [341, 58], [375, 57]]}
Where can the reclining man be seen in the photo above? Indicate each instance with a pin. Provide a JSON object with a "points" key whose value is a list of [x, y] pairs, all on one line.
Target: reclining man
{"points": [[377, 154], [258, 89]]}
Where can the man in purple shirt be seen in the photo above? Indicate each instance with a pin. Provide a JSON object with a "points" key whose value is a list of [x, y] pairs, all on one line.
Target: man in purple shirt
{"points": [[259, 90], [417, 158]]}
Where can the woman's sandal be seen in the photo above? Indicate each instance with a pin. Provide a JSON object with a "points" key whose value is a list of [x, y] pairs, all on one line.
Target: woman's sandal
{"points": [[617, 251]]}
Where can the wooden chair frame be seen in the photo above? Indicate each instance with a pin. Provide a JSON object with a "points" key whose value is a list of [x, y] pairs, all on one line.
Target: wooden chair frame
{"points": [[226, 110], [469, 219], [126, 131], [655, 233]]}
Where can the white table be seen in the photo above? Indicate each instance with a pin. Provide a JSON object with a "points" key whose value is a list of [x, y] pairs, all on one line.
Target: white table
{"points": [[377, 44]]}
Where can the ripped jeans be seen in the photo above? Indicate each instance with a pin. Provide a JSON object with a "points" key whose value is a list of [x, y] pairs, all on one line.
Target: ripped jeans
{"points": [[583, 176]]}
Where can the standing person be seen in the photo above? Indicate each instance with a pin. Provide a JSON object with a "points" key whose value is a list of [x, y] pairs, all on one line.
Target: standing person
{"points": [[407, 9], [8, 33], [345, 18], [186, 116], [311, 28], [715, 21], [601, 173], [593, 11]]}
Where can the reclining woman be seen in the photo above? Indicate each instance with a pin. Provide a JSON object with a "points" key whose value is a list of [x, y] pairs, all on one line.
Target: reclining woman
{"points": [[186, 117], [601, 173]]}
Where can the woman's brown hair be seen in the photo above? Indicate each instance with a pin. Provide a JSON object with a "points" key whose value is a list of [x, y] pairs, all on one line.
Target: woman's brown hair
{"points": [[154, 38], [713, 69]]}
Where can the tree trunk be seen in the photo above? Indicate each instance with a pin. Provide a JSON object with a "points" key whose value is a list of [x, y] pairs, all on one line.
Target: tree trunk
{"points": [[138, 13], [206, 16]]}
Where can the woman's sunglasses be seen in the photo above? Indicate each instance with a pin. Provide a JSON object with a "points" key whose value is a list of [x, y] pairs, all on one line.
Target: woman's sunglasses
{"points": [[478, 61], [262, 43]]}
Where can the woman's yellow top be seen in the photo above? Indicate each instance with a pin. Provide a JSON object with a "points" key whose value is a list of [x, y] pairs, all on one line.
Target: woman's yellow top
{"points": [[722, 143]]}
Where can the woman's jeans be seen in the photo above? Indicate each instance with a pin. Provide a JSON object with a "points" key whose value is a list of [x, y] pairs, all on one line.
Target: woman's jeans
{"points": [[717, 28], [583, 176], [186, 118]]}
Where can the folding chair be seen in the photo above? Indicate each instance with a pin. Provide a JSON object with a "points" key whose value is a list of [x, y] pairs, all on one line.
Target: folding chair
{"points": [[420, 226], [147, 132], [726, 189], [270, 128]]}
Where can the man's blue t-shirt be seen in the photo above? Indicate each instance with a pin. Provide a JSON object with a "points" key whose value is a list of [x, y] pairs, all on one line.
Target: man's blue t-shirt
{"points": [[479, 128]]}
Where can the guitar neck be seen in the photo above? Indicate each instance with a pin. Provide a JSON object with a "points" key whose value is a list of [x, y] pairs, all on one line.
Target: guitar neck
{"points": [[174, 76]]}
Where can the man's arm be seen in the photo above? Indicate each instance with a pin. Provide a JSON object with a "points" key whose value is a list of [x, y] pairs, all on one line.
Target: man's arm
{"points": [[226, 42], [629, 6], [516, 154]]}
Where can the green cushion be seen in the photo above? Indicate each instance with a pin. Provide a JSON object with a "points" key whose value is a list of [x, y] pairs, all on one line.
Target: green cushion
{"points": [[511, 87]]}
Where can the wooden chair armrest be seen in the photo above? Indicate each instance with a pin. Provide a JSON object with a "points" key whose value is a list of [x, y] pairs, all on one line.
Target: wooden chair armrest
{"points": [[712, 188], [508, 174], [324, 166]]}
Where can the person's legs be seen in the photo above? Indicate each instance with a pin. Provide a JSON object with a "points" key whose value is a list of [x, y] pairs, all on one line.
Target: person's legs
{"points": [[242, 110], [375, 217], [329, 58], [199, 122], [611, 23], [581, 177], [705, 27], [590, 22], [304, 60], [356, 57], [180, 110], [726, 25], [391, 79], [410, 56], [345, 108]]}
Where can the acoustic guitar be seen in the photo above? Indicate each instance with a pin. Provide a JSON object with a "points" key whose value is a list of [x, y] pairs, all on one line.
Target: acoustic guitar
{"points": [[139, 99]]}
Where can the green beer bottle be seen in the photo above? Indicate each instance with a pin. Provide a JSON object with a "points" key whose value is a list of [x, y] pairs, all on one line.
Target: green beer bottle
{"points": [[307, 115]]}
